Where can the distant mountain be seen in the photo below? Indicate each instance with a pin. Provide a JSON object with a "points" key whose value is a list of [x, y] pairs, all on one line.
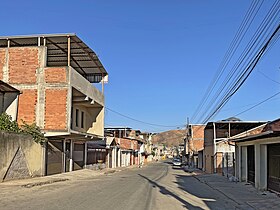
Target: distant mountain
{"points": [[170, 138]]}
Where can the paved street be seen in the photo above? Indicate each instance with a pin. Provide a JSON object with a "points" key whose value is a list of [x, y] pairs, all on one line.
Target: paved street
{"points": [[156, 186]]}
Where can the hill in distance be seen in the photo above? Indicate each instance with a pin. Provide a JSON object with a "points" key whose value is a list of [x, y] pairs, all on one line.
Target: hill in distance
{"points": [[170, 138]]}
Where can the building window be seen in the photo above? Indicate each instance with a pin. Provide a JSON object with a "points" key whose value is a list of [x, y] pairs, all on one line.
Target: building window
{"points": [[77, 117], [82, 119]]}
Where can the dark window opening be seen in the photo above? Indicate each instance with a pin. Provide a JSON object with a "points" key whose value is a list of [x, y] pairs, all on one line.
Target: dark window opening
{"points": [[77, 117], [82, 119]]}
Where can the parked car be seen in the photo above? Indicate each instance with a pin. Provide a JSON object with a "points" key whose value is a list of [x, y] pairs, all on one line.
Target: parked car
{"points": [[177, 162]]}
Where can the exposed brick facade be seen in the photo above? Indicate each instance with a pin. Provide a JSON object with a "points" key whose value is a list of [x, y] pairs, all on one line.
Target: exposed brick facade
{"points": [[2, 62], [23, 62], [27, 106], [55, 75], [55, 110], [134, 144], [125, 143], [196, 142]]}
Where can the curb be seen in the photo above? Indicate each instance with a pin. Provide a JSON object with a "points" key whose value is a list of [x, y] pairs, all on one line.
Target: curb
{"points": [[30, 185]]}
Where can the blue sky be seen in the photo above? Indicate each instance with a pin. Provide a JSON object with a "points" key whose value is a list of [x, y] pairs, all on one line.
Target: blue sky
{"points": [[160, 55]]}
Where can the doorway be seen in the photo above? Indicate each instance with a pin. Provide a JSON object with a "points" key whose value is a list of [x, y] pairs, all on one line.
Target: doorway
{"points": [[251, 163]]}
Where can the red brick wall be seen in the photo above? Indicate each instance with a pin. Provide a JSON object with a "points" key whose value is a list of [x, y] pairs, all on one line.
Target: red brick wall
{"points": [[27, 106], [197, 141], [134, 144], [2, 62], [198, 131], [55, 110], [125, 143], [23, 63], [198, 144], [55, 75]]}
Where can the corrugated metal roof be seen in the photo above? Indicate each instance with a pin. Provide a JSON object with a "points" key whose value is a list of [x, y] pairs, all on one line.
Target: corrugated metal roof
{"points": [[83, 58]]}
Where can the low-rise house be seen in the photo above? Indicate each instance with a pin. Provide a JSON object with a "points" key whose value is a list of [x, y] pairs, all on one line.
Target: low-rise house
{"points": [[112, 152], [147, 138], [218, 150], [129, 146], [159, 150], [193, 143], [55, 74], [258, 156]]}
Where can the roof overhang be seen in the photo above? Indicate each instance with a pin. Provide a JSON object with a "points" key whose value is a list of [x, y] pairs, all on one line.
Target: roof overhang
{"points": [[82, 58], [6, 88], [234, 124], [75, 135], [266, 134]]}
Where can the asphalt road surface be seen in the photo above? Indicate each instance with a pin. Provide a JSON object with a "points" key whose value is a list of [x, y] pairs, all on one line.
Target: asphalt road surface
{"points": [[156, 186]]}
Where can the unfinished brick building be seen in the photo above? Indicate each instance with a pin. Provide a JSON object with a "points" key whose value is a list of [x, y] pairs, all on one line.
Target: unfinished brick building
{"points": [[55, 74], [193, 144]]}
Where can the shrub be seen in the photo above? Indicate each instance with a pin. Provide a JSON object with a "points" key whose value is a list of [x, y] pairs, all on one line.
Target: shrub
{"points": [[7, 124], [34, 131]]}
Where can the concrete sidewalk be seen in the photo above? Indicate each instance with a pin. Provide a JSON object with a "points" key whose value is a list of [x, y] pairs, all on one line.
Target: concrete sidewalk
{"points": [[69, 176], [243, 194]]}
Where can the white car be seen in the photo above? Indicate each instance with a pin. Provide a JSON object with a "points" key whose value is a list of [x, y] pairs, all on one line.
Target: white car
{"points": [[177, 162]]}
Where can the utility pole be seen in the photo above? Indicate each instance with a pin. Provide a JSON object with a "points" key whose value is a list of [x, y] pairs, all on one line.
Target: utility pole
{"points": [[186, 139]]}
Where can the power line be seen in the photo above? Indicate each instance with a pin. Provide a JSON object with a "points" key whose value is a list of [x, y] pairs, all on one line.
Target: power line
{"points": [[243, 28], [140, 121], [246, 63], [242, 78], [267, 99], [268, 77]]}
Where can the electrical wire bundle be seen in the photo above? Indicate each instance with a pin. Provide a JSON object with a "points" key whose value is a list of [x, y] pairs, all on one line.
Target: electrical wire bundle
{"points": [[261, 42]]}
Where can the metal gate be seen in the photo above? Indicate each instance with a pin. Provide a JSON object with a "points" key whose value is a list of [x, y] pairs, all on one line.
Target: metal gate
{"points": [[273, 177], [228, 164]]}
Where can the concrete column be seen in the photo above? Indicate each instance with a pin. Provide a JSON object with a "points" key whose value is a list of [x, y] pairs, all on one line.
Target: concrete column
{"points": [[243, 167], [44, 159], [257, 165], [263, 167], [119, 158], [63, 156], [85, 155], [41, 95], [71, 155], [114, 158], [214, 149], [238, 159], [6, 75], [108, 159]]}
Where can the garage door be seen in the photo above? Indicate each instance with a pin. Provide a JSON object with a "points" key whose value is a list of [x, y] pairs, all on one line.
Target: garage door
{"points": [[273, 181]]}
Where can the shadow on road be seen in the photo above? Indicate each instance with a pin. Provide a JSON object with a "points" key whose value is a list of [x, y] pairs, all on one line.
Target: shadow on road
{"points": [[164, 191], [192, 186], [168, 162]]}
